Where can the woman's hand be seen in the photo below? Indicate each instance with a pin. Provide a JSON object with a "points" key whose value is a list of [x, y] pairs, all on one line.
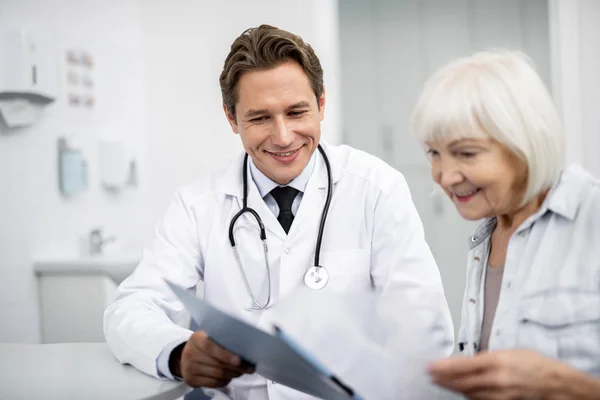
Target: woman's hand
{"points": [[506, 374]]}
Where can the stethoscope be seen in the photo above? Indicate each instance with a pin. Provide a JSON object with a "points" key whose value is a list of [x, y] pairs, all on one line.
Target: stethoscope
{"points": [[315, 277]]}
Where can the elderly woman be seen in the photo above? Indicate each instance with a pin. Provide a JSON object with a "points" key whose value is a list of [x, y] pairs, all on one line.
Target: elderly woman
{"points": [[531, 310]]}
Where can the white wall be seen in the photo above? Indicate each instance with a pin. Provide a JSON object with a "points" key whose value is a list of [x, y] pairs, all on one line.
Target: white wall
{"points": [[590, 82], [157, 69], [185, 45]]}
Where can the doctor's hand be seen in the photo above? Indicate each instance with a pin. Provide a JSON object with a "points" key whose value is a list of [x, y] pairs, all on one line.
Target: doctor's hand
{"points": [[205, 364], [506, 374]]}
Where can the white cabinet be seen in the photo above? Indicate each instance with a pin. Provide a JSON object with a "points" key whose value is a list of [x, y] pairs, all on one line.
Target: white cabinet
{"points": [[74, 293], [388, 49], [72, 306]]}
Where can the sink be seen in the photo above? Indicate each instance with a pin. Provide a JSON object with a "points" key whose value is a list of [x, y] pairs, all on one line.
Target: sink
{"points": [[116, 266]]}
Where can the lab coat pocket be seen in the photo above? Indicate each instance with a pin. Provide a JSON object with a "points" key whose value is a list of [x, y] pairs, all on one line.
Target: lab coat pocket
{"points": [[563, 324], [349, 269]]}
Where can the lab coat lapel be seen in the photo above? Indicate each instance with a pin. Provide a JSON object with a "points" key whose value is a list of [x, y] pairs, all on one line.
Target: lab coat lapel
{"points": [[231, 180], [313, 199]]}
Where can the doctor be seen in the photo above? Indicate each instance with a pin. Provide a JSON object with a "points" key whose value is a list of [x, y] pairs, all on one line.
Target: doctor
{"points": [[335, 219]]}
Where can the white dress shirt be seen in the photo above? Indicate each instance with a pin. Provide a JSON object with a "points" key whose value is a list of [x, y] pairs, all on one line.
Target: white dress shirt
{"points": [[265, 184]]}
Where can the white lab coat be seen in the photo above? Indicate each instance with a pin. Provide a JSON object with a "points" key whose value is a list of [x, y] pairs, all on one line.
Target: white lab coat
{"points": [[373, 239]]}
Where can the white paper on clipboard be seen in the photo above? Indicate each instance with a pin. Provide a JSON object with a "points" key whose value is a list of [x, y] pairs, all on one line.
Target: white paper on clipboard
{"points": [[276, 357]]}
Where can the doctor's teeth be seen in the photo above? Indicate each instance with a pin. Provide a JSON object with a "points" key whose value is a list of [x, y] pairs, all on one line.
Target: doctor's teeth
{"points": [[289, 153]]}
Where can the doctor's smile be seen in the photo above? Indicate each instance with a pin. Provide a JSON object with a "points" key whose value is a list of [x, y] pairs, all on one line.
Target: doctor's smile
{"points": [[287, 157]]}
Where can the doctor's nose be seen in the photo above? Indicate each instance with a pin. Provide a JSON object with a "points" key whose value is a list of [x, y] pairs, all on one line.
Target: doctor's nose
{"points": [[283, 136]]}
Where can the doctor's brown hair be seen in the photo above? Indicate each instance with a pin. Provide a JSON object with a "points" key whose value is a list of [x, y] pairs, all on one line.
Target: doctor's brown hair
{"points": [[263, 48]]}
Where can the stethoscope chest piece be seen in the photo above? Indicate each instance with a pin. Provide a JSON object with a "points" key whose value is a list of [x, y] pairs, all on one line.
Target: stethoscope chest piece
{"points": [[316, 277]]}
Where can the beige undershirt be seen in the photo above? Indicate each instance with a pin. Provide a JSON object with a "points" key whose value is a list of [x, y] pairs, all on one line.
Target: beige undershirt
{"points": [[493, 282]]}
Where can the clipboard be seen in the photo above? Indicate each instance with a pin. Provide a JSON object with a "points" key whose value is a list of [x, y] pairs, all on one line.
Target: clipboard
{"points": [[277, 357]]}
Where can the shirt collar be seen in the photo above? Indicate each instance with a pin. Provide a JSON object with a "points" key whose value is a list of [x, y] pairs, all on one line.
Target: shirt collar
{"points": [[265, 184], [564, 199]]}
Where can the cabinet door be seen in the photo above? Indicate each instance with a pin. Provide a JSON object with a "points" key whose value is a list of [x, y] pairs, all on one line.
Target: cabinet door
{"points": [[360, 107]]}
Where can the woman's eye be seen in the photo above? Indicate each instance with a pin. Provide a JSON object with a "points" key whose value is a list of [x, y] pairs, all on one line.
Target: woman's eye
{"points": [[467, 154], [432, 153]]}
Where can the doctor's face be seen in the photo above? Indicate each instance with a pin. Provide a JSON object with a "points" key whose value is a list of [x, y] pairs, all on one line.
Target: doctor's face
{"points": [[481, 176], [278, 119]]}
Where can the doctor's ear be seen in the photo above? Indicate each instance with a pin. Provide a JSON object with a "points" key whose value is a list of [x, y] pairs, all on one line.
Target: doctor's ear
{"points": [[231, 119], [321, 104]]}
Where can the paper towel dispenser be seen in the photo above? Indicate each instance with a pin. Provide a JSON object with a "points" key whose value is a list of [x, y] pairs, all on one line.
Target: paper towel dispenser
{"points": [[29, 67], [28, 74]]}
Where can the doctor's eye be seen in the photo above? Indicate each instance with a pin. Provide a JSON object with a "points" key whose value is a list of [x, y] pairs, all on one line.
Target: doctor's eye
{"points": [[262, 118], [298, 113]]}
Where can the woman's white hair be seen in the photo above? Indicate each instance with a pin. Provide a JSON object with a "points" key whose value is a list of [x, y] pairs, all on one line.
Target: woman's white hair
{"points": [[495, 94]]}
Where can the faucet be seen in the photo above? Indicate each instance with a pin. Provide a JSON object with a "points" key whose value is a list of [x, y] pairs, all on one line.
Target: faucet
{"points": [[97, 241]]}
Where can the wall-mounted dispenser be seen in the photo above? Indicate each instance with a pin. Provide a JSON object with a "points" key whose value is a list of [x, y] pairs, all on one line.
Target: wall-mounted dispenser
{"points": [[72, 169], [28, 75]]}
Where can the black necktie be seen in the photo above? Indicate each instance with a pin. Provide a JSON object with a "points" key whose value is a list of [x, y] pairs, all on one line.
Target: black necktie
{"points": [[284, 196]]}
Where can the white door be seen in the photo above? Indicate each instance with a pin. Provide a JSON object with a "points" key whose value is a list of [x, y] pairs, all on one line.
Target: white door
{"points": [[388, 49]]}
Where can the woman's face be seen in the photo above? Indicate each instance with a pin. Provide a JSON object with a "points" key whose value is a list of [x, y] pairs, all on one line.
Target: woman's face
{"points": [[482, 177]]}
